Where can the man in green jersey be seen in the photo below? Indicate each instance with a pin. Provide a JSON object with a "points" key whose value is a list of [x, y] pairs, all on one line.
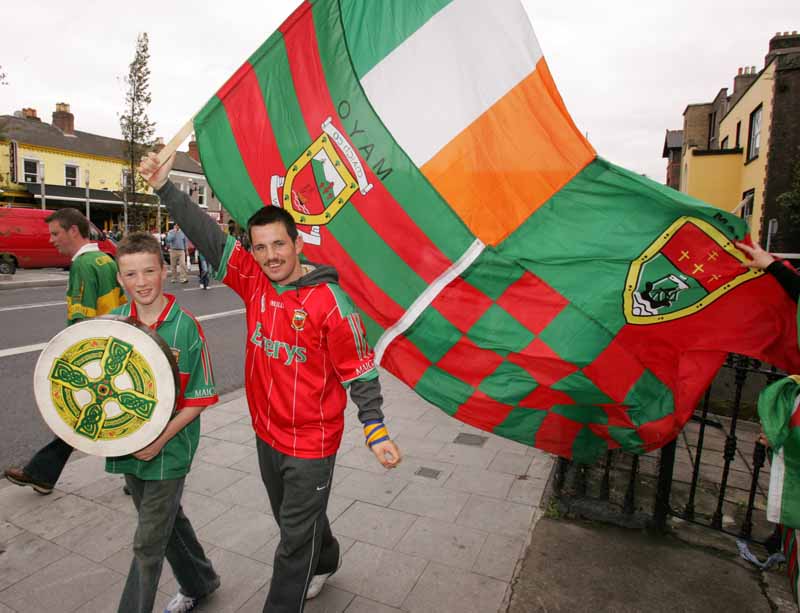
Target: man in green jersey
{"points": [[93, 290]]}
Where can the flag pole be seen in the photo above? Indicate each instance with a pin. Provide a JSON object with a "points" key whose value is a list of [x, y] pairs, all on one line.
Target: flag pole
{"points": [[176, 141], [163, 155]]}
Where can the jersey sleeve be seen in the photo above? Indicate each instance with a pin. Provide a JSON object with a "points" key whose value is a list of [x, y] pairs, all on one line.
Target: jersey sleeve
{"points": [[194, 364], [82, 292], [238, 270], [352, 356]]}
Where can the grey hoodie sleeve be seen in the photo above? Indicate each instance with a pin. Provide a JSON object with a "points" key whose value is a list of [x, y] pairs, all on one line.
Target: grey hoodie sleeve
{"points": [[196, 225], [790, 281], [367, 397]]}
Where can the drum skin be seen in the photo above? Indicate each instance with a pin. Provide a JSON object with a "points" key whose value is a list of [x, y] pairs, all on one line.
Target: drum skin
{"points": [[108, 386]]}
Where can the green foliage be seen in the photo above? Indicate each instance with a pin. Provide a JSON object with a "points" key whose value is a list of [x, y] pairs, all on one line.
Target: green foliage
{"points": [[137, 129], [790, 200]]}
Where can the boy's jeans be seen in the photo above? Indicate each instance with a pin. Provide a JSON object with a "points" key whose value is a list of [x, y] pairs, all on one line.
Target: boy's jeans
{"points": [[163, 530]]}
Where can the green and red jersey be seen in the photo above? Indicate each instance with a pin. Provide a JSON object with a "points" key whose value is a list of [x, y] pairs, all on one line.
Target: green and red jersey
{"points": [[305, 344], [183, 333]]}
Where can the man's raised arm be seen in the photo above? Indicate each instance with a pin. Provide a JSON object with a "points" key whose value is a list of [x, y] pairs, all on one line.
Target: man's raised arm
{"points": [[195, 223]]}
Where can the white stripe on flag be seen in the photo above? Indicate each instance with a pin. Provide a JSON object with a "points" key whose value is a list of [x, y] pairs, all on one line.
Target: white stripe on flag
{"points": [[777, 476], [450, 71], [426, 298]]}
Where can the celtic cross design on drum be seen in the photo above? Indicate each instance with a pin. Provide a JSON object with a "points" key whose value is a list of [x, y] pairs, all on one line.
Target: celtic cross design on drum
{"points": [[110, 403]]}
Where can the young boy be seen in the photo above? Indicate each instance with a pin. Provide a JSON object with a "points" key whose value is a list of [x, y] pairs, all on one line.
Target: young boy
{"points": [[155, 475]]}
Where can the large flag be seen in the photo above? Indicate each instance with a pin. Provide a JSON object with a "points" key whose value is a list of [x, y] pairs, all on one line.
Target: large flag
{"points": [[504, 271]]}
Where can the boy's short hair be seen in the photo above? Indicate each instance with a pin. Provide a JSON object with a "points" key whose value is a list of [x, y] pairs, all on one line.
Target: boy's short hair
{"points": [[272, 214], [66, 218], [139, 242]]}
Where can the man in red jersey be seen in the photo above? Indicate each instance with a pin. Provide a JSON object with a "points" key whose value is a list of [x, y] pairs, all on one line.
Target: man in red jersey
{"points": [[306, 345]]}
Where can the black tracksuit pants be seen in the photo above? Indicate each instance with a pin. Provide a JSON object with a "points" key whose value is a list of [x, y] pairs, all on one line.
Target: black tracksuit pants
{"points": [[298, 492]]}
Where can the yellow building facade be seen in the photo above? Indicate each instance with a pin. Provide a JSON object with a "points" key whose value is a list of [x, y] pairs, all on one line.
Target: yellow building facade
{"points": [[740, 149]]}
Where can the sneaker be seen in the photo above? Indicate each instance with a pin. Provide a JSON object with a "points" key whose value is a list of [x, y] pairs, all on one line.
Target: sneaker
{"points": [[318, 581], [181, 604], [18, 476]]}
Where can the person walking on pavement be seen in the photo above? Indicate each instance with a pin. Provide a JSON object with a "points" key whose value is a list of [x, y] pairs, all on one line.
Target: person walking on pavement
{"points": [[92, 290], [177, 245], [156, 474], [306, 346]]}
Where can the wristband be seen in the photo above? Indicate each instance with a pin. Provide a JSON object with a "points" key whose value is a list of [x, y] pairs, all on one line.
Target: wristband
{"points": [[375, 432]]}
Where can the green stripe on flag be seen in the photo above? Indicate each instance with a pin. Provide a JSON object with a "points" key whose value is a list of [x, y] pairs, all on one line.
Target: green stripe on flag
{"points": [[367, 249], [588, 447], [221, 160], [375, 29], [625, 212], [405, 182]]}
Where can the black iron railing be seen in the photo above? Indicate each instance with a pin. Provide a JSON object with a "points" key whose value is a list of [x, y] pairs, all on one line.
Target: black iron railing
{"points": [[619, 482]]}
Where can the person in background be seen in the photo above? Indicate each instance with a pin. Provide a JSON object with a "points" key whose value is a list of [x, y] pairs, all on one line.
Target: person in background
{"points": [[92, 290], [177, 244]]}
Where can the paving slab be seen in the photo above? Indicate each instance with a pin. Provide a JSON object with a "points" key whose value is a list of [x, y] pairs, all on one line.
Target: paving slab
{"points": [[26, 554], [445, 589], [380, 574], [71, 582], [373, 524], [443, 542]]}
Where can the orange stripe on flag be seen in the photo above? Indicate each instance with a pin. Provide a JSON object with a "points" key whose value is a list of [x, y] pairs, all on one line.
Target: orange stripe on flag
{"points": [[511, 159]]}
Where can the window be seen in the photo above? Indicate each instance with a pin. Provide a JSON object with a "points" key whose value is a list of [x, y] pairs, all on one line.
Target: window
{"points": [[724, 144], [754, 138], [746, 212], [31, 171], [738, 134], [201, 195], [71, 174]]}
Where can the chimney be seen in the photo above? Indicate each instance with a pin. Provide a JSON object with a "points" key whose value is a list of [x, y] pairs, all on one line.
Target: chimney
{"points": [[193, 152], [29, 113], [783, 43], [744, 77], [63, 119]]}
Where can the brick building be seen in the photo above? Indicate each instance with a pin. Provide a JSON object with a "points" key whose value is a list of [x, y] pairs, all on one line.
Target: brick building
{"points": [[738, 150]]}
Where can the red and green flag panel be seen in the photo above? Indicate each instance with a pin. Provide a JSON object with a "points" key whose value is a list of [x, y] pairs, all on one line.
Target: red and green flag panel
{"points": [[503, 270]]}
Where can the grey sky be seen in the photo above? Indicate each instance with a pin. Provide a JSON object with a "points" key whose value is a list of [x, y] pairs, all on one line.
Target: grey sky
{"points": [[625, 68]]}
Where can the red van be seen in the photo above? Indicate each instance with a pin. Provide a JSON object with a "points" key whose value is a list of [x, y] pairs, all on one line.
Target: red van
{"points": [[25, 241]]}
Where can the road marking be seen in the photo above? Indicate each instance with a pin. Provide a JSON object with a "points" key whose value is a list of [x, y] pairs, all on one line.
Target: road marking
{"points": [[36, 305], [218, 315], [4, 353], [194, 289], [24, 349]]}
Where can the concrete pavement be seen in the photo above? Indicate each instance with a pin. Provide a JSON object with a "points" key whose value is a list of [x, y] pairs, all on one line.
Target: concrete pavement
{"points": [[442, 532], [36, 277], [458, 527]]}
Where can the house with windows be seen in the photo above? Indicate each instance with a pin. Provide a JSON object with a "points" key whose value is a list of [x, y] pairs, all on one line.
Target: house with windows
{"points": [[739, 150], [53, 165]]}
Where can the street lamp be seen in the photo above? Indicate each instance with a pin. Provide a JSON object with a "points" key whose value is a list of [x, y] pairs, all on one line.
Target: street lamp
{"points": [[86, 179]]}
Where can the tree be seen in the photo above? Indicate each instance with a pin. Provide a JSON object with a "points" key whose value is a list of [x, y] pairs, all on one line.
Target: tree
{"points": [[137, 129], [3, 77]]}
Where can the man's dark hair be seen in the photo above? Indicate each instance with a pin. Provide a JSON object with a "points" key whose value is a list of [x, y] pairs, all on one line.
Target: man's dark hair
{"points": [[66, 218], [139, 242], [272, 214]]}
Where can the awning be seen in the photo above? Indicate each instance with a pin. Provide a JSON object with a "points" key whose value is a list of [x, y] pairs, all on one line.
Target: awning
{"points": [[78, 194]]}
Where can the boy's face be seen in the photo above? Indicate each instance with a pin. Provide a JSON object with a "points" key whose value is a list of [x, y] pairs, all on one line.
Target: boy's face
{"points": [[276, 253], [142, 275]]}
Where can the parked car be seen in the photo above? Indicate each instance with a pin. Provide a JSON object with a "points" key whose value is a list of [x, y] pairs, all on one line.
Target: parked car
{"points": [[25, 241]]}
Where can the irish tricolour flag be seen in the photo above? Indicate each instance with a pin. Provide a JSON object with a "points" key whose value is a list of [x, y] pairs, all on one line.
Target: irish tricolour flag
{"points": [[503, 270]]}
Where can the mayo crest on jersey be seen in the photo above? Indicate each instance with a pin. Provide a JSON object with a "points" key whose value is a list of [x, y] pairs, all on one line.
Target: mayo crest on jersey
{"points": [[305, 344]]}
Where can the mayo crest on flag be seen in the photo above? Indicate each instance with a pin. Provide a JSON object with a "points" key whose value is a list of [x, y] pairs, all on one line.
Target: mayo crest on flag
{"points": [[502, 269]]}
